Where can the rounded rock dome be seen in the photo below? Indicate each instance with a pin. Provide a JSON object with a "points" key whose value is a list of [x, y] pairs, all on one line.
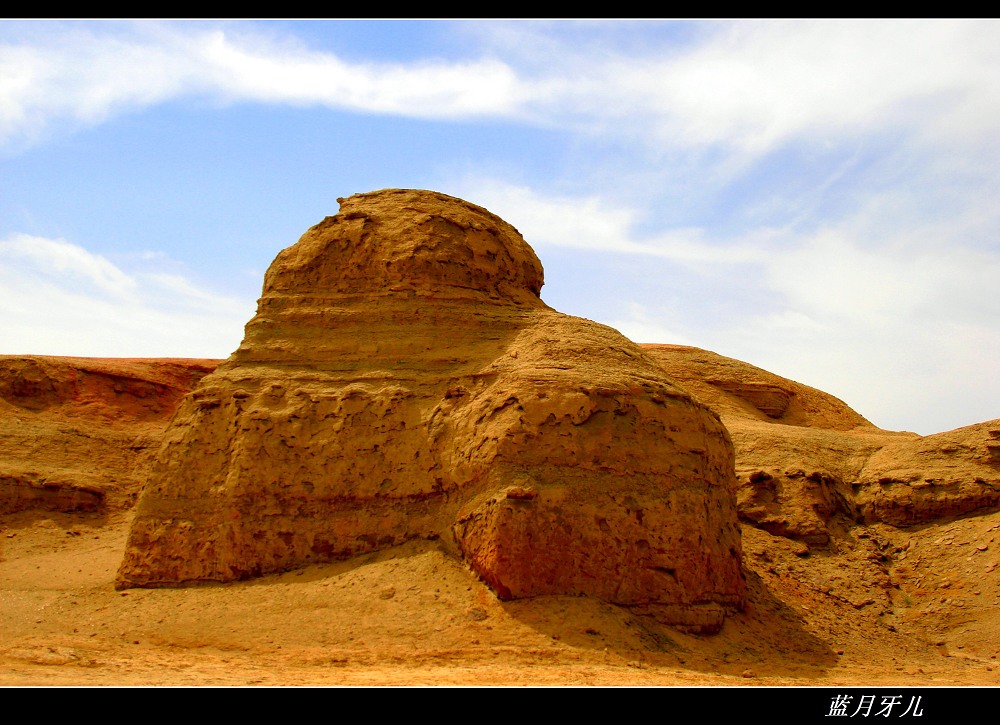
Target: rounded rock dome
{"points": [[410, 241]]}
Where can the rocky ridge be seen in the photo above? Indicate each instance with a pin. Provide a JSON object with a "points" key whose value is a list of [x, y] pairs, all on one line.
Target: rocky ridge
{"points": [[807, 464]]}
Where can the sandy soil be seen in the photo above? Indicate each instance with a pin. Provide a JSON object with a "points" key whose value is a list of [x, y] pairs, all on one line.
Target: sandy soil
{"points": [[882, 606]]}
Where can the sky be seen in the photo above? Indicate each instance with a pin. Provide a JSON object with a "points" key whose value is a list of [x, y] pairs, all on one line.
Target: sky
{"points": [[818, 198]]}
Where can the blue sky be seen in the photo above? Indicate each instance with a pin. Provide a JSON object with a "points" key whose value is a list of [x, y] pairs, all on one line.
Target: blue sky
{"points": [[818, 198]]}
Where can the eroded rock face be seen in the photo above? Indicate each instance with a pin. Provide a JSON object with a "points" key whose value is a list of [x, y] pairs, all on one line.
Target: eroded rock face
{"points": [[803, 456], [402, 379], [75, 432], [916, 480]]}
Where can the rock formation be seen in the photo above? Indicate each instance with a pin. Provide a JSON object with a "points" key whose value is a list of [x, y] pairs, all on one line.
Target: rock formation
{"points": [[803, 457], [402, 379], [74, 432]]}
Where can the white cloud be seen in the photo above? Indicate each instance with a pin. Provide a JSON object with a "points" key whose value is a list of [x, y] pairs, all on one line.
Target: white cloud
{"points": [[754, 85], [881, 268], [598, 224], [81, 74], [641, 325], [254, 69], [57, 298], [57, 258], [749, 86]]}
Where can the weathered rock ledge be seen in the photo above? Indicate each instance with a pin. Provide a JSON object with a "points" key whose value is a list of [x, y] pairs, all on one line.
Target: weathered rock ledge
{"points": [[75, 432]]}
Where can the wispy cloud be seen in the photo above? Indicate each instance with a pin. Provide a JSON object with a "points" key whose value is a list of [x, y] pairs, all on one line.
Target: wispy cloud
{"points": [[599, 223], [56, 258], [57, 298], [749, 86], [84, 74], [752, 86]]}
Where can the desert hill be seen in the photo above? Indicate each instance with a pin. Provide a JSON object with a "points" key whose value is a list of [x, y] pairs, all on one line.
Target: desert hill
{"points": [[413, 471]]}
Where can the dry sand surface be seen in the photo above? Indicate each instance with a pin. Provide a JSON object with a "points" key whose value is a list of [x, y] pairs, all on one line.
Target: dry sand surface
{"points": [[416, 616]]}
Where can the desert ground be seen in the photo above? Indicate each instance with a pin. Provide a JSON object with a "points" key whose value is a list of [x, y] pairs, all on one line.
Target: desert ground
{"points": [[415, 616]]}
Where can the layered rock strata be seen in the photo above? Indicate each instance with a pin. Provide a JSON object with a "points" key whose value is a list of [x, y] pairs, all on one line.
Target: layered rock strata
{"points": [[75, 432], [402, 379], [803, 457]]}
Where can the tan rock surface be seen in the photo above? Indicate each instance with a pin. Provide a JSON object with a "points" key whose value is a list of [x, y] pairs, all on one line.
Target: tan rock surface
{"points": [[402, 380], [806, 463], [74, 432], [916, 480]]}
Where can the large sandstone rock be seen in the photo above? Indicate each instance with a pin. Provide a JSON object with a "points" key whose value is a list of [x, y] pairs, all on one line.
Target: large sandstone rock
{"points": [[403, 380], [803, 457]]}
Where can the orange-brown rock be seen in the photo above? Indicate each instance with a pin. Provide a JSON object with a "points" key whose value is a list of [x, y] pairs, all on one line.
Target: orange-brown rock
{"points": [[914, 480], [75, 430], [803, 456], [402, 379]]}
